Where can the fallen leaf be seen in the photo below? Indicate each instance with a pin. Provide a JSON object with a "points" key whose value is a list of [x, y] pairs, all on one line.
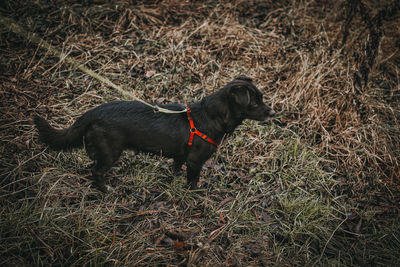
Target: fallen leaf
{"points": [[225, 201], [150, 73], [180, 245], [222, 217], [255, 214], [251, 133]]}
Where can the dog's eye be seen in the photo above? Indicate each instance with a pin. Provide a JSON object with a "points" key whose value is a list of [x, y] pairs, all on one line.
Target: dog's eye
{"points": [[253, 105]]}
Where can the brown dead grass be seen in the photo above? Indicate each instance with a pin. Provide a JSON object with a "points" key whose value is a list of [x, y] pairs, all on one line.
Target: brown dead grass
{"points": [[319, 186]]}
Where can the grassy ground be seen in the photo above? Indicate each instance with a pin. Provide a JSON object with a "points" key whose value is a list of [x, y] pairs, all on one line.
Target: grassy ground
{"points": [[319, 185]]}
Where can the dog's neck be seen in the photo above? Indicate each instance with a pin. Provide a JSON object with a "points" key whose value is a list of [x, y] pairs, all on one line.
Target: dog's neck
{"points": [[213, 116]]}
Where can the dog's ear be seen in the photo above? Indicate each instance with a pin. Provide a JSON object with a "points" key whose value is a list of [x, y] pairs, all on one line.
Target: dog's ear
{"points": [[241, 95], [240, 90], [244, 78]]}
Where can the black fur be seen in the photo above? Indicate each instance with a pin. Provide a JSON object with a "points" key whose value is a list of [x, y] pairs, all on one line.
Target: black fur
{"points": [[112, 127]]}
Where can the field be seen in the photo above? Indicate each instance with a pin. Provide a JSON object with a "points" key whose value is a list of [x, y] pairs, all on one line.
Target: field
{"points": [[317, 185]]}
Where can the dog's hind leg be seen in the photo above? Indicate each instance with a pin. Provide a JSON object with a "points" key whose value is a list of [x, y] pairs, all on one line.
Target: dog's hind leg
{"points": [[106, 156], [177, 166], [103, 149]]}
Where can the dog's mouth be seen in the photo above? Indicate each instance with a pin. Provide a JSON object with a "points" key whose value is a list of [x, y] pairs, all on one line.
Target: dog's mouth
{"points": [[268, 118]]}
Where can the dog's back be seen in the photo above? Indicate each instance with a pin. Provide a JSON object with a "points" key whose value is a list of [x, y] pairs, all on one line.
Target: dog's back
{"points": [[132, 124]]}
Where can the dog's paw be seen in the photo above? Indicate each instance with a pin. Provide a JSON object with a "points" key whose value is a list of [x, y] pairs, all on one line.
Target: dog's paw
{"points": [[101, 187]]}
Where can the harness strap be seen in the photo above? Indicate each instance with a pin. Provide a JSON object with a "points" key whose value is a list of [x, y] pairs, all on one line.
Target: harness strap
{"points": [[194, 131]]}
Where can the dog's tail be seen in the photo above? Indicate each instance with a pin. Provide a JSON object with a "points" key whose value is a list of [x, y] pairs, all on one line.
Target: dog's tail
{"points": [[58, 139]]}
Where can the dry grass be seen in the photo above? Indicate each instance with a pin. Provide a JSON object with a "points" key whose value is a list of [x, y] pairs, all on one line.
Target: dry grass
{"points": [[318, 186]]}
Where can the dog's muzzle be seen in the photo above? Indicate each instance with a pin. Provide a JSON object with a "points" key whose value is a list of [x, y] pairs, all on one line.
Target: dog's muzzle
{"points": [[271, 113], [268, 116]]}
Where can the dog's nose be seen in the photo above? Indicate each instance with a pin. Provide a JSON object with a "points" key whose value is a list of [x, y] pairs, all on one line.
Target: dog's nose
{"points": [[272, 112]]}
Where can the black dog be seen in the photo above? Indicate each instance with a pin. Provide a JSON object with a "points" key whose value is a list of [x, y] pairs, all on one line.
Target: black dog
{"points": [[112, 127]]}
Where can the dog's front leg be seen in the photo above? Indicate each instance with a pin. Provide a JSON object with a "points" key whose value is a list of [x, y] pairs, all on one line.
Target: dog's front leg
{"points": [[193, 168], [193, 174], [195, 161]]}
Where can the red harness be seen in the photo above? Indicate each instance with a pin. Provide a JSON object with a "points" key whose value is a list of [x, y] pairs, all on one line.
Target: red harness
{"points": [[194, 131]]}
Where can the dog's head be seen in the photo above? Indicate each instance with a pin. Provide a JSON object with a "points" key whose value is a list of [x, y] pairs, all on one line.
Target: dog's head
{"points": [[247, 100], [238, 100]]}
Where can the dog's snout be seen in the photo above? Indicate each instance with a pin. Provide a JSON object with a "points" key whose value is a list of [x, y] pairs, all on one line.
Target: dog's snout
{"points": [[272, 112]]}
